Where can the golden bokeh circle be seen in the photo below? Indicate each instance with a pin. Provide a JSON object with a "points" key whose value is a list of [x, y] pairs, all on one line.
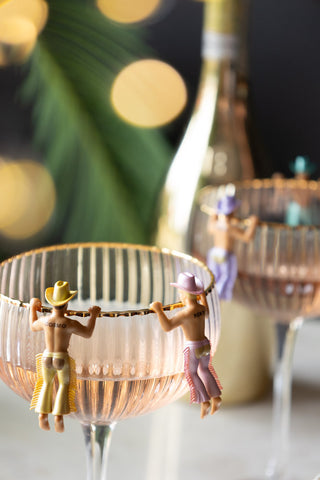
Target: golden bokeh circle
{"points": [[20, 23], [148, 93], [35, 11], [27, 198], [128, 11], [17, 31]]}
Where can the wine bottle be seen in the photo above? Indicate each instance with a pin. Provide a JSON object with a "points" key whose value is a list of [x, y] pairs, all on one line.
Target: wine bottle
{"points": [[215, 151]]}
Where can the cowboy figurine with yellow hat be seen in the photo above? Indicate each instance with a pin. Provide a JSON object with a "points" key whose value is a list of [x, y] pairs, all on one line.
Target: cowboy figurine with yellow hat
{"points": [[55, 360], [203, 382]]}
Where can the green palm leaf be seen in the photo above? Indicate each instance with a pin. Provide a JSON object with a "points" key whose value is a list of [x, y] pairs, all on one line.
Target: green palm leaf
{"points": [[108, 174]]}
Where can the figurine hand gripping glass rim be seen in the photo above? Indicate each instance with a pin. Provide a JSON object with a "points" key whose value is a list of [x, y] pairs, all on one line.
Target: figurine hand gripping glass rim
{"points": [[55, 361], [202, 379], [225, 229]]}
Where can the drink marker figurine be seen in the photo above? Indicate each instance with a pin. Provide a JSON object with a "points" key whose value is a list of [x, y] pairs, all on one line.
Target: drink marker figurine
{"points": [[302, 167], [299, 208], [55, 359], [225, 229], [201, 377]]}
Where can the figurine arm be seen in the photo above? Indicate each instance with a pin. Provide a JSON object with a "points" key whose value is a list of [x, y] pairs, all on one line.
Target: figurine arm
{"points": [[245, 235], [35, 306], [86, 330], [167, 324], [203, 301]]}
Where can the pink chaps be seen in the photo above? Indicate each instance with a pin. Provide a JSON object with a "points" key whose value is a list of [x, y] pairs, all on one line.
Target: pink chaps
{"points": [[200, 374]]}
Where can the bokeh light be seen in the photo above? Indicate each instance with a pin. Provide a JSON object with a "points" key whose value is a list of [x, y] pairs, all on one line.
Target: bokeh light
{"points": [[20, 23], [128, 11], [27, 198], [34, 10], [17, 39], [148, 93]]}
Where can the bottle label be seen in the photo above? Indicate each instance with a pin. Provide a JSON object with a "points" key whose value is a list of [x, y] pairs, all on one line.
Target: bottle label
{"points": [[217, 46]]}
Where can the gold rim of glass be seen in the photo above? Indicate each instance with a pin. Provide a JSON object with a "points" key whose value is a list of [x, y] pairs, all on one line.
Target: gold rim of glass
{"points": [[280, 183], [125, 313]]}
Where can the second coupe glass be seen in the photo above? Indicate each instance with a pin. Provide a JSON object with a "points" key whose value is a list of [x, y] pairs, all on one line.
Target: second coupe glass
{"points": [[278, 274]]}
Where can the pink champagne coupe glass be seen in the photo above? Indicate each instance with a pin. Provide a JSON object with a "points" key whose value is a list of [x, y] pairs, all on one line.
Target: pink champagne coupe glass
{"points": [[129, 366], [278, 274]]}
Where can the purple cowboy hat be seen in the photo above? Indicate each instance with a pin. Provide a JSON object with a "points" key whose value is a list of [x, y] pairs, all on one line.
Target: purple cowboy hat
{"points": [[227, 204], [189, 283]]}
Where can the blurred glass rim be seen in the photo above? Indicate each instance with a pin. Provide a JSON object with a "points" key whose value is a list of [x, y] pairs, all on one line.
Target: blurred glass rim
{"points": [[311, 186], [128, 313]]}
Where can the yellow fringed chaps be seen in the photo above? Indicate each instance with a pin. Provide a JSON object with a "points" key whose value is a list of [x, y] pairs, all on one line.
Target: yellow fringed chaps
{"points": [[43, 391]]}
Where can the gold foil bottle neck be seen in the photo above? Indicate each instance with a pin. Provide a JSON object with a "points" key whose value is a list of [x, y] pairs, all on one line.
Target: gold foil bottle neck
{"points": [[221, 16]]}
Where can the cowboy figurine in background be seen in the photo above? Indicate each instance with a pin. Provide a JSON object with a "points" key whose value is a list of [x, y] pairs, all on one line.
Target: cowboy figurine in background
{"points": [[299, 208], [225, 229], [302, 167], [202, 379], [55, 359]]}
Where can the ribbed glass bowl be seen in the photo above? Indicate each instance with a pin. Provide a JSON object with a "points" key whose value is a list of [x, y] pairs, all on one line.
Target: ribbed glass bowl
{"points": [[129, 366], [279, 271]]}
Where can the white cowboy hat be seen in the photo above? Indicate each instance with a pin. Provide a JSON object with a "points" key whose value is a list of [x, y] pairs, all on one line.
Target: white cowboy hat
{"points": [[60, 294]]}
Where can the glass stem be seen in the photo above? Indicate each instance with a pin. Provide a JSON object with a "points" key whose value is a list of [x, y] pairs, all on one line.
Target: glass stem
{"points": [[97, 441], [282, 380]]}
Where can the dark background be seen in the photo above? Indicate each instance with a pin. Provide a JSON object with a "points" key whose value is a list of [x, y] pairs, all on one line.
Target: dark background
{"points": [[284, 79], [284, 75]]}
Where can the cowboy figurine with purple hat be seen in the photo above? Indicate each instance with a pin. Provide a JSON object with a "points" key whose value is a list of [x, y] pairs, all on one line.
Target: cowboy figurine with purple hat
{"points": [[202, 379], [225, 230], [55, 361]]}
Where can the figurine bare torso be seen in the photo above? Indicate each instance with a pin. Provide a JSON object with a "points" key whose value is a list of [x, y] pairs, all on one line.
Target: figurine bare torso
{"points": [[193, 322], [225, 230], [57, 330], [191, 318], [222, 233]]}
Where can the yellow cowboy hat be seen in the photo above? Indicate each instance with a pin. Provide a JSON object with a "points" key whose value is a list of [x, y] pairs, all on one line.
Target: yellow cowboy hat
{"points": [[60, 294]]}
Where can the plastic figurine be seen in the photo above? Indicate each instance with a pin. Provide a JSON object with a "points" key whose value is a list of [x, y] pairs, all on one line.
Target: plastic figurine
{"points": [[204, 385], [302, 167], [55, 360], [225, 230], [299, 209]]}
